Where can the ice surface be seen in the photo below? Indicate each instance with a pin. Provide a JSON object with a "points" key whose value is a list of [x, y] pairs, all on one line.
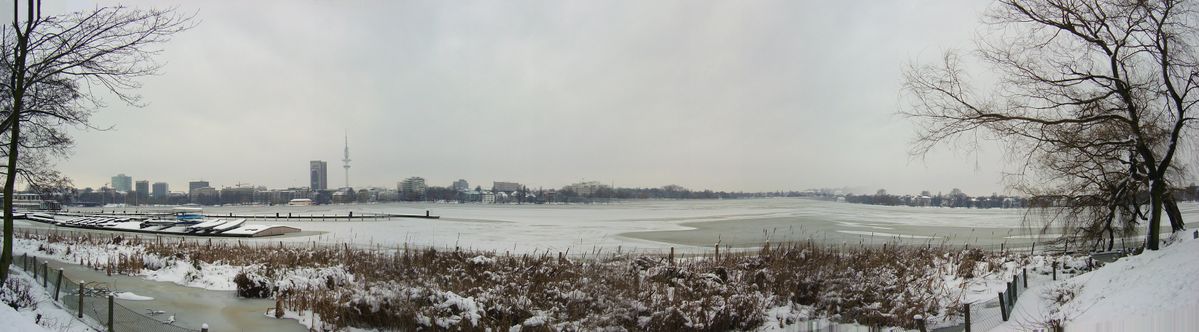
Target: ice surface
{"points": [[698, 223]]}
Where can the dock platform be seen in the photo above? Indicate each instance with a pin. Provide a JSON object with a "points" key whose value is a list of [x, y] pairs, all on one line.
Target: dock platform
{"points": [[276, 216]]}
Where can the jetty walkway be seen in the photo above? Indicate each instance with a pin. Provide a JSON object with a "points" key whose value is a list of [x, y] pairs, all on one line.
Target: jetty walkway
{"points": [[257, 216]]}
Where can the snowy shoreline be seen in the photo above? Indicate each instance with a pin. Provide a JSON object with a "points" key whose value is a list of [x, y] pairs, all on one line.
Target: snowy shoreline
{"points": [[340, 274]]}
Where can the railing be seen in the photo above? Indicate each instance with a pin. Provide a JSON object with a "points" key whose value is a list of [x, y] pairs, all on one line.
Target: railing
{"points": [[91, 302]]}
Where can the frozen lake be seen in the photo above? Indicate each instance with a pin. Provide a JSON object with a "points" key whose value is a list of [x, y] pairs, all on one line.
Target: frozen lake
{"points": [[688, 225], [656, 225]]}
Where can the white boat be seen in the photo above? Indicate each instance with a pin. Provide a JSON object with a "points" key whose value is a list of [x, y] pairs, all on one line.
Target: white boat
{"points": [[40, 217], [157, 222], [205, 225], [227, 226]]}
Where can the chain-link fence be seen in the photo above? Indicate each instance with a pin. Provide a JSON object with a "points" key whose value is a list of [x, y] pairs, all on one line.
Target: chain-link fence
{"points": [[92, 302], [984, 316]]}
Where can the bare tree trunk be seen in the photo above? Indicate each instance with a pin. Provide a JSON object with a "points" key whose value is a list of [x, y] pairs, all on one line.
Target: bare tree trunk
{"points": [[1176, 223], [1157, 190], [10, 178], [17, 84]]}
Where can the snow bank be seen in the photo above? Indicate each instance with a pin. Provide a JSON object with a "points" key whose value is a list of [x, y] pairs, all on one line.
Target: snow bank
{"points": [[15, 321], [1153, 291], [39, 314], [195, 274], [130, 296]]}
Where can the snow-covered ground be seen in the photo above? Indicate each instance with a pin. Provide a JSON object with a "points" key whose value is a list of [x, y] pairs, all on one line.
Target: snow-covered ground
{"points": [[1153, 291]]}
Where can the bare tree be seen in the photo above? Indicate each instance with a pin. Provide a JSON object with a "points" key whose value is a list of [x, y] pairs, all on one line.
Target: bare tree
{"points": [[1093, 97], [55, 69]]}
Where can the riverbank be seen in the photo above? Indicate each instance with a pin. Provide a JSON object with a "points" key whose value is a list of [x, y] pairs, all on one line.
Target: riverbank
{"points": [[189, 297], [407, 288]]}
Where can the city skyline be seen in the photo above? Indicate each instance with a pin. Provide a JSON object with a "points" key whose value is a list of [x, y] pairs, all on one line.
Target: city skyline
{"points": [[732, 96], [505, 185]]}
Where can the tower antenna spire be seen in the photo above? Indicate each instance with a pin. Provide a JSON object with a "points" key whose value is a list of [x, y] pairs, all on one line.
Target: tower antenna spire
{"points": [[346, 161]]}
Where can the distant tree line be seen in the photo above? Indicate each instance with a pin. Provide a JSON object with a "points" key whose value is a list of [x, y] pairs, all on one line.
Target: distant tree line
{"points": [[955, 199], [958, 199]]}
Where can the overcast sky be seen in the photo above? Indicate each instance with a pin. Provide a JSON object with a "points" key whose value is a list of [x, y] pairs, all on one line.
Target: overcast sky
{"points": [[726, 95]]}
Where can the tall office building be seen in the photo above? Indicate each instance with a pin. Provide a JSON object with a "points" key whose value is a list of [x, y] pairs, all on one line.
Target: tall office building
{"points": [[318, 175], [192, 186], [122, 182], [143, 190], [161, 190], [413, 188]]}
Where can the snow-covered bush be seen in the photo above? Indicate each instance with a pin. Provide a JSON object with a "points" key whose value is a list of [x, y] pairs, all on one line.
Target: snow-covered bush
{"points": [[15, 293]]}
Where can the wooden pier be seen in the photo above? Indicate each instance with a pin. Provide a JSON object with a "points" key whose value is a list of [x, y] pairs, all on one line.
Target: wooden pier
{"points": [[276, 216]]}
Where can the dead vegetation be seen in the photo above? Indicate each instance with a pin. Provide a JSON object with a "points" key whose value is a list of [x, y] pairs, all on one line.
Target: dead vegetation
{"points": [[412, 288]]}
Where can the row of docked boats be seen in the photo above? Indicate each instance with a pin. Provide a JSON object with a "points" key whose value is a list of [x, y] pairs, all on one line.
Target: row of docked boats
{"points": [[215, 226], [149, 224]]}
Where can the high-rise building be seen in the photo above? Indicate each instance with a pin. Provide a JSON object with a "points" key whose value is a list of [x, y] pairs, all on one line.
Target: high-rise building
{"points": [[143, 190], [412, 188], [461, 185], [122, 182], [318, 175], [192, 186], [161, 190]]}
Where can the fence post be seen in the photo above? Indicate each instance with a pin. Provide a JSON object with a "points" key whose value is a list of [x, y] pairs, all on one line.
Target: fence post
{"points": [[967, 312], [110, 329], [1011, 295], [58, 285], [920, 323], [45, 273], [34, 269], [204, 327], [1002, 307], [1024, 275], [80, 313], [1054, 271], [25, 262]]}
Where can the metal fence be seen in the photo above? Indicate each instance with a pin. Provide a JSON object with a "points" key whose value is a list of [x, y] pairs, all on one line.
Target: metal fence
{"points": [[91, 302]]}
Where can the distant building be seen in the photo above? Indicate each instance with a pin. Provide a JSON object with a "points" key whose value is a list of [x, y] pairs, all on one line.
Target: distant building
{"points": [[505, 187], [161, 190], [122, 183], [205, 196], [237, 195], [461, 185], [487, 197], [318, 175], [143, 190], [586, 188], [192, 186], [412, 189]]}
